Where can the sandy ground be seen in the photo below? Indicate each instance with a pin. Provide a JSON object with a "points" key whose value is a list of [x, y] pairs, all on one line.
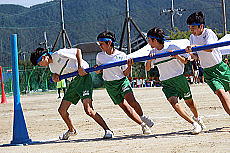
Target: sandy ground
{"points": [[170, 134]]}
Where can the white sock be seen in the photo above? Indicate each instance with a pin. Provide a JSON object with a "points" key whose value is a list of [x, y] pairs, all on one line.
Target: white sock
{"points": [[143, 124]]}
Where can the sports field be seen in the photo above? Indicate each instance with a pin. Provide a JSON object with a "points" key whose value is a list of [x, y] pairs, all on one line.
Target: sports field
{"points": [[170, 133]]}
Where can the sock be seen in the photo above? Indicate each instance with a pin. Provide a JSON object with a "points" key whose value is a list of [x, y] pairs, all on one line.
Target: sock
{"points": [[143, 124]]}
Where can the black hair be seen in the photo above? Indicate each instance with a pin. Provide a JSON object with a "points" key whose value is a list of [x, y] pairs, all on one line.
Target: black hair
{"points": [[35, 55], [107, 34], [197, 17], [157, 32]]}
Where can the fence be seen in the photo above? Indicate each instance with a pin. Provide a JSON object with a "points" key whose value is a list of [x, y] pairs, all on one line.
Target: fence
{"points": [[32, 79]]}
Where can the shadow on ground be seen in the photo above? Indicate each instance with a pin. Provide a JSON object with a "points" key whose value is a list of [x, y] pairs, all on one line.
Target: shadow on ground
{"points": [[123, 137]]}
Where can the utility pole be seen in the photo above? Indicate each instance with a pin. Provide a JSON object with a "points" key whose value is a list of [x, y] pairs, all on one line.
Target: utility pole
{"points": [[62, 33], [126, 27], [172, 12], [224, 17]]}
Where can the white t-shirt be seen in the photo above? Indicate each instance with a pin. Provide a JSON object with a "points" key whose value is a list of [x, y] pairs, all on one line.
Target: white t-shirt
{"points": [[59, 60], [207, 59], [168, 67], [113, 73]]}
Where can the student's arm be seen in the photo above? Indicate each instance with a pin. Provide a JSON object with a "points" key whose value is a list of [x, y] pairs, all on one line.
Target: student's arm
{"points": [[98, 71], [79, 58], [97, 64], [148, 63], [181, 59], [128, 70], [81, 71], [189, 48]]}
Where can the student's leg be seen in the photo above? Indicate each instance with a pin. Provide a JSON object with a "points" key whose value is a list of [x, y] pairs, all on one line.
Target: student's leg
{"points": [[196, 79], [202, 79], [63, 111], [224, 98], [88, 107], [191, 104], [64, 90], [129, 97], [174, 102], [130, 112], [134, 116], [59, 92]]}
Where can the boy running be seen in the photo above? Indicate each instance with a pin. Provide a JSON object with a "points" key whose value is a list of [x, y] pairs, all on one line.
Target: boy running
{"points": [[174, 84], [216, 72], [116, 82], [65, 61]]}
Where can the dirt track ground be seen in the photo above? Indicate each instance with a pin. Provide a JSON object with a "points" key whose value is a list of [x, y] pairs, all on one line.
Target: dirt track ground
{"points": [[170, 133]]}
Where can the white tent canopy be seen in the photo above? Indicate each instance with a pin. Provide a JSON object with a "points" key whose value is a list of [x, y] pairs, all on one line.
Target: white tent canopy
{"points": [[182, 43], [226, 49]]}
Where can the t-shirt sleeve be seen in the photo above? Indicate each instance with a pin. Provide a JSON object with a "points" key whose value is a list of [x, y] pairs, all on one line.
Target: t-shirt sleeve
{"points": [[175, 47], [69, 53], [191, 40], [210, 37], [153, 61], [98, 60], [124, 57]]}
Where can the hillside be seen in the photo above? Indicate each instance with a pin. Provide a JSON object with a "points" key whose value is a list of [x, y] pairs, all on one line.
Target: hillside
{"points": [[85, 19]]}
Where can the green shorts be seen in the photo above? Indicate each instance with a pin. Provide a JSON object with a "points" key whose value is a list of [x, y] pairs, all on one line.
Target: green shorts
{"points": [[218, 77], [118, 89], [80, 88], [177, 86]]}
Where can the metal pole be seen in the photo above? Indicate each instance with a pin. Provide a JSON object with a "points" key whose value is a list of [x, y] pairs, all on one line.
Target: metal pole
{"points": [[128, 32], [138, 29], [62, 24], [224, 17], [144, 58], [123, 35], [172, 16], [128, 28], [46, 42]]}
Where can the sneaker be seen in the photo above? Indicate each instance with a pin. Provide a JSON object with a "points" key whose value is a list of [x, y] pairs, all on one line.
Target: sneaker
{"points": [[67, 134], [108, 134], [200, 122], [145, 129], [147, 121], [196, 128]]}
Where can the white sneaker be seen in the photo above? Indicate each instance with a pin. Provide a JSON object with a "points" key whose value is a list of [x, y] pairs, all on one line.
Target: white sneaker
{"points": [[67, 134], [108, 134], [200, 122], [145, 129], [196, 128], [147, 121]]}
